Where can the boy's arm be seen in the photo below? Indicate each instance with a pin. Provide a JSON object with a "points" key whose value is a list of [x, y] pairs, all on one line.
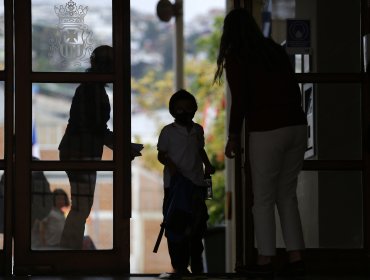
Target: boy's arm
{"points": [[208, 167], [166, 161]]}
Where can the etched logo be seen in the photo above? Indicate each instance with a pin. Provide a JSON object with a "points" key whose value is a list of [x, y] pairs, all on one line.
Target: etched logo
{"points": [[73, 39]]}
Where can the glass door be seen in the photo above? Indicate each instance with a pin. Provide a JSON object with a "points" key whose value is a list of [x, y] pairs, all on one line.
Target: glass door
{"points": [[333, 189], [72, 136]]}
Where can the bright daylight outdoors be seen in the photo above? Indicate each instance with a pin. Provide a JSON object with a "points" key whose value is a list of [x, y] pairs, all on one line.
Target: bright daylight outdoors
{"points": [[152, 82]]}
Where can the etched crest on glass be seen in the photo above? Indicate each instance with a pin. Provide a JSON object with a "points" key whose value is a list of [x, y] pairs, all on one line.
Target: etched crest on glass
{"points": [[73, 39]]}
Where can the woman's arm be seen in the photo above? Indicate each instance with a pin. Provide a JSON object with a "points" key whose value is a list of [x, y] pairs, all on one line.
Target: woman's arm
{"points": [[236, 76], [236, 79]]}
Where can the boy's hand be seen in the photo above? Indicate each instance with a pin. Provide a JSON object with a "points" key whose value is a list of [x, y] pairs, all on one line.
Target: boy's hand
{"points": [[209, 169]]}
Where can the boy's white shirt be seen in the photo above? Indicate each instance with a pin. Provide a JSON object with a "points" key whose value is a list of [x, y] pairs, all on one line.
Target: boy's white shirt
{"points": [[183, 148]]}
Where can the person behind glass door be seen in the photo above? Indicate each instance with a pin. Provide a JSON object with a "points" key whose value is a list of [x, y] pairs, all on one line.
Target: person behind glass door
{"points": [[85, 136], [51, 227], [265, 93]]}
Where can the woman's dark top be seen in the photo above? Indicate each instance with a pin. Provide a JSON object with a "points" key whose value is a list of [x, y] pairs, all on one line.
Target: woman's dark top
{"points": [[263, 91], [87, 131]]}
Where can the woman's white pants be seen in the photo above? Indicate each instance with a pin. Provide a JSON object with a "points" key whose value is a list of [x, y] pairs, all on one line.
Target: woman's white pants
{"points": [[276, 158]]}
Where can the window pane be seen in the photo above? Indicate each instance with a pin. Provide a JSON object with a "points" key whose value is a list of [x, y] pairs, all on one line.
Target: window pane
{"points": [[61, 205], [82, 129], [64, 33]]}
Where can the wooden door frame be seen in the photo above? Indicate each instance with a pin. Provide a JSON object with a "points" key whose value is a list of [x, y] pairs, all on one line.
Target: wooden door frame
{"points": [[55, 262], [6, 164]]}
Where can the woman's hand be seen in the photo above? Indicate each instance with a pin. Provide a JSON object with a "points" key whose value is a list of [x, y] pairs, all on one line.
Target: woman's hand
{"points": [[231, 146]]}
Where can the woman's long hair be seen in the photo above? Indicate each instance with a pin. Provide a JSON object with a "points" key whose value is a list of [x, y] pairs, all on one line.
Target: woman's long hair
{"points": [[241, 37]]}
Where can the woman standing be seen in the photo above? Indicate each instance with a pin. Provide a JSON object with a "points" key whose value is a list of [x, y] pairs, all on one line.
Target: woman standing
{"points": [[265, 93]]}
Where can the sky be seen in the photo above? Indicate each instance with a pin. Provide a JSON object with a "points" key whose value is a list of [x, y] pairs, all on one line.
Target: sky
{"points": [[191, 7]]}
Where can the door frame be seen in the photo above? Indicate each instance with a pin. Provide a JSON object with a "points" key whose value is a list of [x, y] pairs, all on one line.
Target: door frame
{"points": [[18, 167], [6, 164]]}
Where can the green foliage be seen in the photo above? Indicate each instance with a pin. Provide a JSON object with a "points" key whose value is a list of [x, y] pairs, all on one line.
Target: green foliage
{"points": [[210, 43], [154, 89]]}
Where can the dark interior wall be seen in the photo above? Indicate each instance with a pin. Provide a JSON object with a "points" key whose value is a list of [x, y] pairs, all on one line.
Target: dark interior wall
{"points": [[339, 123], [336, 44]]}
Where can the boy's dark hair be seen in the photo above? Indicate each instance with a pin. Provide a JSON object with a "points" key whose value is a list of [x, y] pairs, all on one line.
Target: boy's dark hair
{"points": [[181, 95]]}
